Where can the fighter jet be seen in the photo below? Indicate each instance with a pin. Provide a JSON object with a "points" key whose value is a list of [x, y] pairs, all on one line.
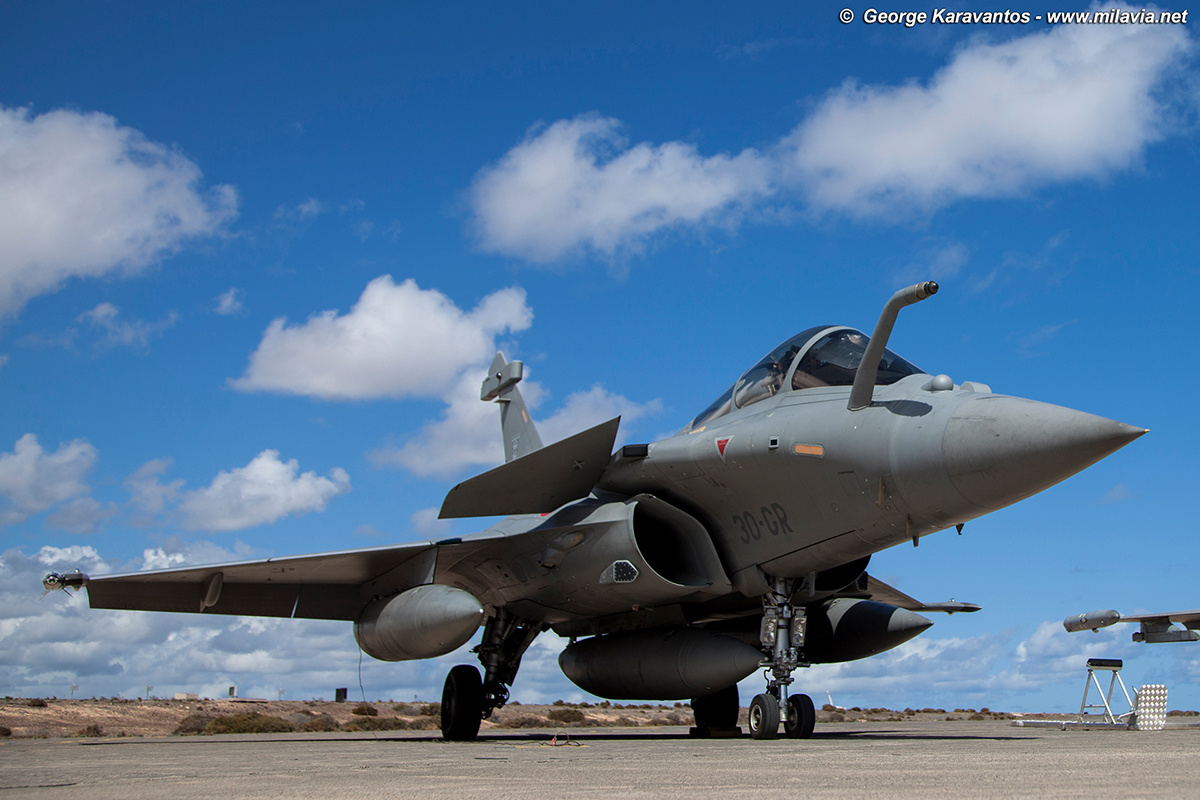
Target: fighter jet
{"points": [[679, 567], [1155, 628]]}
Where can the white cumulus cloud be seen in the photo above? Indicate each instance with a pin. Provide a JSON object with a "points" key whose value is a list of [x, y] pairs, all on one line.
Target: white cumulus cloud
{"points": [[33, 480], [1064, 103], [1070, 102], [259, 493], [85, 557], [158, 558], [397, 341], [81, 196], [575, 184]]}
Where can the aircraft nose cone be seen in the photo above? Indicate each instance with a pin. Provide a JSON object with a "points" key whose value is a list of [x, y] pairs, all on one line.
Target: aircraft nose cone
{"points": [[998, 450]]}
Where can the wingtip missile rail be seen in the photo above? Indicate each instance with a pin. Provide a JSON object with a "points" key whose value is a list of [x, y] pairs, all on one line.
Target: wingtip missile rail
{"points": [[72, 580]]}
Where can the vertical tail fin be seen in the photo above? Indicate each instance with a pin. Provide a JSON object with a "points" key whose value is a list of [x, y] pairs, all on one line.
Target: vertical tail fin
{"points": [[516, 426]]}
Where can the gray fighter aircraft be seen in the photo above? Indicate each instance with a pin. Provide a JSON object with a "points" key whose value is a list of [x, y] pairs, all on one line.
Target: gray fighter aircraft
{"points": [[679, 567]]}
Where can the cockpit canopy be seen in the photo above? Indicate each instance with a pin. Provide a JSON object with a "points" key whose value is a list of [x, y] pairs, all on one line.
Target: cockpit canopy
{"points": [[821, 356]]}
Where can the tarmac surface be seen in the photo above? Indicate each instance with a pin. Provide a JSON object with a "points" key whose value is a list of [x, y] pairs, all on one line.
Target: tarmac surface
{"points": [[849, 760]]}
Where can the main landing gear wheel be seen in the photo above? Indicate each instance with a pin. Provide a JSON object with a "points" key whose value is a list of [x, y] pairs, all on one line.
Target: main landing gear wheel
{"points": [[764, 717], [717, 710], [462, 704], [801, 717]]}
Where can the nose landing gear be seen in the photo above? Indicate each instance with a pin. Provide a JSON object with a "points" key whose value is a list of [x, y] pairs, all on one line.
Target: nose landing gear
{"points": [[782, 636]]}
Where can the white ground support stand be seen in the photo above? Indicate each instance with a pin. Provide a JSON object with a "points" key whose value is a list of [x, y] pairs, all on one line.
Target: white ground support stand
{"points": [[1147, 709], [1095, 665]]}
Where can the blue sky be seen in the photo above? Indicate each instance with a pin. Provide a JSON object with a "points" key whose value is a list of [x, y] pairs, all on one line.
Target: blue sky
{"points": [[253, 260]]}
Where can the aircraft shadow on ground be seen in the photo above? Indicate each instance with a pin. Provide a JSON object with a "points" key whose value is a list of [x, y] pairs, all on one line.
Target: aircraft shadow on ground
{"points": [[565, 738]]}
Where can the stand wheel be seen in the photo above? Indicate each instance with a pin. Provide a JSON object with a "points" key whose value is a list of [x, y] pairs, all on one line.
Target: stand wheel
{"points": [[764, 717], [801, 717], [717, 710], [462, 704]]}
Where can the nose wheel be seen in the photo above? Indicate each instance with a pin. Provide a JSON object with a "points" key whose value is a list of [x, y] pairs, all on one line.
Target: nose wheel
{"points": [[765, 714], [764, 717], [801, 718]]}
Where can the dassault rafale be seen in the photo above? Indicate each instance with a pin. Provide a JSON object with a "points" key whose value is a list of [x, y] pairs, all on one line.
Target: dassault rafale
{"points": [[678, 568]]}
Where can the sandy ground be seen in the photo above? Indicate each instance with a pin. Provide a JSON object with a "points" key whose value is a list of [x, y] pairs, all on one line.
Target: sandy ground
{"points": [[24, 718]]}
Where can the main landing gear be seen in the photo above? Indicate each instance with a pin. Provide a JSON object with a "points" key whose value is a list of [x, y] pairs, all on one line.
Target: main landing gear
{"points": [[782, 636], [462, 704], [716, 714], [466, 698]]}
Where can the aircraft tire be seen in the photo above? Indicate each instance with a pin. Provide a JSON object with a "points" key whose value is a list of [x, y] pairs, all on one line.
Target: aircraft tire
{"points": [[462, 704], [717, 710], [802, 716], [764, 717]]}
